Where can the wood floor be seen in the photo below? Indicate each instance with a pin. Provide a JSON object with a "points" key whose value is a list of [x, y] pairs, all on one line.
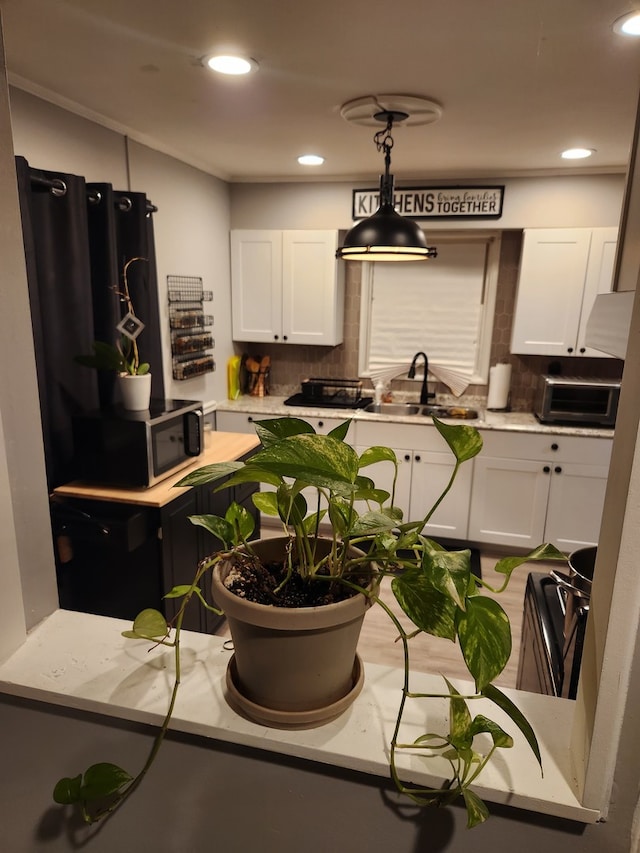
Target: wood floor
{"points": [[433, 654], [436, 655]]}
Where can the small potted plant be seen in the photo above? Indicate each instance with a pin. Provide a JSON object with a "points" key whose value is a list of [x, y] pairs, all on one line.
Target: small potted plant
{"points": [[133, 376], [305, 575]]}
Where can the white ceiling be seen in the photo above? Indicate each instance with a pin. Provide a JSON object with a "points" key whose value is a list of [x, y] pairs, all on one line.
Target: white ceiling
{"points": [[518, 80]]}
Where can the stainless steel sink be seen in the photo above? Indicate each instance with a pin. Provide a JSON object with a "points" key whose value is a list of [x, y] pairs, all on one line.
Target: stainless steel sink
{"points": [[460, 412], [394, 409], [404, 409]]}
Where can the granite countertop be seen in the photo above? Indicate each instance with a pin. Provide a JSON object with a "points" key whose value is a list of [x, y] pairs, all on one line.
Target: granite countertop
{"points": [[272, 406]]}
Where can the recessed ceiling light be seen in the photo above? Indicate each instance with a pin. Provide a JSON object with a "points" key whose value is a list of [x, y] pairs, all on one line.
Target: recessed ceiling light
{"points": [[628, 25], [234, 65], [578, 153], [310, 160]]}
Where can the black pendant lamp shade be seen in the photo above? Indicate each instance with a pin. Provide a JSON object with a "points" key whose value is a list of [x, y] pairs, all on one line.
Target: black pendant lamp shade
{"points": [[386, 236]]}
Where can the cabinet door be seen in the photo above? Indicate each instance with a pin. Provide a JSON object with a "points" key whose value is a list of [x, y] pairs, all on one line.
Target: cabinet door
{"points": [[509, 501], [382, 475], [430, 476], [238, 421], [550, 289], [180, 555], [256, 285], [576, 499], [602, 255], [312, 288]]}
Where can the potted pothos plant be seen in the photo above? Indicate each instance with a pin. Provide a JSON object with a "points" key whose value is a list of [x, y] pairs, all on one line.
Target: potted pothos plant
{"points": [[123, 357], [367, 540]]}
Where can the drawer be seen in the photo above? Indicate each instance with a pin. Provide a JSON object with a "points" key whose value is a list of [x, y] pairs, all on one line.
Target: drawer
{"points": [[570, 448], [418, 436]]}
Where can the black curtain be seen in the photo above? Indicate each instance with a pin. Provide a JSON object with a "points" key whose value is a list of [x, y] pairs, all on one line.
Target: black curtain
{"points": [[77, 239], [54, 224]]}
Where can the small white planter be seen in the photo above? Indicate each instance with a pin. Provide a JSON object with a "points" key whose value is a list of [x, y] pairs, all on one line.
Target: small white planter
{"points": [[135, 391]]}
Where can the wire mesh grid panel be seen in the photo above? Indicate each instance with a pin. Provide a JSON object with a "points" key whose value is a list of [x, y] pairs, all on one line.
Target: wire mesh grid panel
{"points": [[191, 336]]}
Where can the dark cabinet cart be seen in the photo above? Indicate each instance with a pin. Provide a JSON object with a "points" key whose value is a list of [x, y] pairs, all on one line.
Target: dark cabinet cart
{"points": [[119, 550]]}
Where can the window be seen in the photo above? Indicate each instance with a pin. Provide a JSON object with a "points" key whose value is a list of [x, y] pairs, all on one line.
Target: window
{"points": [[443, 307]]}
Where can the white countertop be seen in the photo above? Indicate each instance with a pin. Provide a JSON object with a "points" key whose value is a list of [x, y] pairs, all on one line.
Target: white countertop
{"points": [[509, 421], [82, 661]]}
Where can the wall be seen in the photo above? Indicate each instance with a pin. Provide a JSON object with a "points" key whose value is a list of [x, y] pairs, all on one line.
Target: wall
{"points": [[191, 225]]}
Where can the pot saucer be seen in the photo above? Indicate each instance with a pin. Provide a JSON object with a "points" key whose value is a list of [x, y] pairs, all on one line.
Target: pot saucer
{"points": [[276, 719]]}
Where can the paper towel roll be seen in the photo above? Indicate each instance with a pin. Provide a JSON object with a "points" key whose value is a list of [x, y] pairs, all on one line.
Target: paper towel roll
{"points": [[499, 381]]}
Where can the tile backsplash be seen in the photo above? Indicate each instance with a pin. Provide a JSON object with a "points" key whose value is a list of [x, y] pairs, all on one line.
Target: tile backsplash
{"points": [[291, 364]]}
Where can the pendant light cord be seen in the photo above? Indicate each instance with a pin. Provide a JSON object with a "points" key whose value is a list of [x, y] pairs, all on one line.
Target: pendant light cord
{"points": [[384, 142]]}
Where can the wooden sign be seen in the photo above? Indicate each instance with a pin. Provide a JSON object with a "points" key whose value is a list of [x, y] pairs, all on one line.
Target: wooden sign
{"points": [[434, 202]]}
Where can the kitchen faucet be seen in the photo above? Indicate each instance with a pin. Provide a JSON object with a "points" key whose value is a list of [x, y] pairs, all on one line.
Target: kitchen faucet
{"points": [[425, 394]]}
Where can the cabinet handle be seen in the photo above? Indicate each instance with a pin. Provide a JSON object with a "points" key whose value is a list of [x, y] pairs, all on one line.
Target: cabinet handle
{"points": [[547, 469], [558, 469], [275, 337], [554, 446], [284, 338], [417, 458], [583, 349], [407, 457], [250, 419], [569, 349], [320, 423]]}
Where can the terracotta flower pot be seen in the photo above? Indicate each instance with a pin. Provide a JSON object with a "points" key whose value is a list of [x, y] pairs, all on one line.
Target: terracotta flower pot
{"points": [[292, 667]]}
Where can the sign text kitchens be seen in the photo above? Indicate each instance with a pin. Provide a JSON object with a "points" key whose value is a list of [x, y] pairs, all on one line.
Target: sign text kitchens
{"points": [[434, 202]]}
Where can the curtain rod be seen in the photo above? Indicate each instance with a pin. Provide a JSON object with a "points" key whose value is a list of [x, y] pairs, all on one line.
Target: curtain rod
{"points": [[59, 188]]}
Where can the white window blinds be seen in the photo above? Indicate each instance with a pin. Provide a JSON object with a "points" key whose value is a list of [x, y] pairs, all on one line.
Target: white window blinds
{"points": [[443, 307]]}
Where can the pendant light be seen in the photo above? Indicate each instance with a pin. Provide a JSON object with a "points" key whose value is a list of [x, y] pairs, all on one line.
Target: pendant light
{"points": [[386, 236]]}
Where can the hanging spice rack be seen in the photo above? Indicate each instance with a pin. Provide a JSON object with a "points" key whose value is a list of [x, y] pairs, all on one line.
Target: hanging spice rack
{"points": [[191, 337]]}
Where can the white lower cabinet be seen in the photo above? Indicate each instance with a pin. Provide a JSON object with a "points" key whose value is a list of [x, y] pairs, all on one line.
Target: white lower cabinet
{"points": [[528, 489], [425, 468], [236, 421]]}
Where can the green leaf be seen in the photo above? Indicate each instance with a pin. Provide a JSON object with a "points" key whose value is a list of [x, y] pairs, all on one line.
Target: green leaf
{"points": [[250, 474], [318, 460], [292, 506], [485, 638], [311, 521], [178, 591], [515, 714], [241, 521], [464, 441], [143, 368], [67, 791], [209, 473], [428, 609], [219, 527], [477, 812], [459, 720], [101, 780], [266, 502], [483, 724], [342, 516], [370, 523], [377, 454], [507, 565], [340, 432], [149, 624], [449, 573], [378, 496], [275, 429]]}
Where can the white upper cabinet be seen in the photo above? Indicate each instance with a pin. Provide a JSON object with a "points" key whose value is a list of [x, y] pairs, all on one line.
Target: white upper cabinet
{"points": [[287, 287], [562, 270]]}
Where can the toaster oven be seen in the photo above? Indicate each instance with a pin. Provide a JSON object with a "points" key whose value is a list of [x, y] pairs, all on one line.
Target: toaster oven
{"points": [[575, 400]]}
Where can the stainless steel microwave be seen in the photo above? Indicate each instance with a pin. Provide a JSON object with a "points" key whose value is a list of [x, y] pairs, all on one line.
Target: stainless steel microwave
{"points": [[137, 449], [575, 400]]}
